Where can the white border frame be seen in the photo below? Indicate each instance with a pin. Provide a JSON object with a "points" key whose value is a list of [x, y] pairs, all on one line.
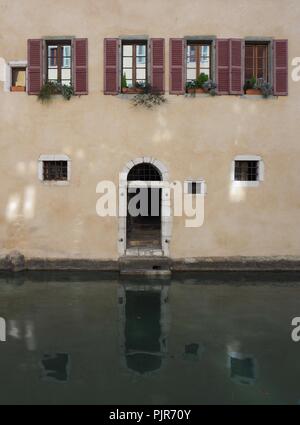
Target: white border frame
{"points": [[166, 217], [8, 74], [261, 171], [60, 157], [199, 180]]}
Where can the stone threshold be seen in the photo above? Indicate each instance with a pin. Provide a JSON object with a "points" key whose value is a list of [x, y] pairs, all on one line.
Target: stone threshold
{"points": [[16, 262]]}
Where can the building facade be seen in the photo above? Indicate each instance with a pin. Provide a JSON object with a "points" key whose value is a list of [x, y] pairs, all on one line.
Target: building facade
{"points": [[236, 150]]}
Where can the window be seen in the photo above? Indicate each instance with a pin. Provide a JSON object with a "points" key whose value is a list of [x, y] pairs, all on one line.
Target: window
{"points": [[248, 170], [196, 187], [54, 168], [198, 60], [59, 62], [256, 61], [18, 78], [134, 62]]}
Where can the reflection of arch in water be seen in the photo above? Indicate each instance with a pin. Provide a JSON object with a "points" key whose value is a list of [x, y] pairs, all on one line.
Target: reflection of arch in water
{"points": [[144, 326]]}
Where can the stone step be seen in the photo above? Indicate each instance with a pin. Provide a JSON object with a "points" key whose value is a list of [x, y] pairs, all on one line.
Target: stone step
{"points": [[150, 266]]}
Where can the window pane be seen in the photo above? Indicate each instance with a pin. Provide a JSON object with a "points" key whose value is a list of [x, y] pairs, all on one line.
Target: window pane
{"points": [[66, 62], [140, 61], [140, 74], [67, 50], [141, 50], [52, 55], [191, 62], [18, 77], [127, 62], [191, 51], [204, 50], [191, 74], [127, 50], [65, 74], [129, 83], [66, 82], [204, 71], [52, 74], [128, 73]]}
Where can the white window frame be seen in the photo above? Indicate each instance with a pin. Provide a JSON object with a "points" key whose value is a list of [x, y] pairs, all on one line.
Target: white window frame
{"points": [[200, 181], [60, 157], [8, 73], [261, 171]]}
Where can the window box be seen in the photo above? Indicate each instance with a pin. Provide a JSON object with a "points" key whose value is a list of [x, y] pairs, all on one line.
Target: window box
{"points": [[198, 90], [18, 88], [132, 90], [253, 92]]}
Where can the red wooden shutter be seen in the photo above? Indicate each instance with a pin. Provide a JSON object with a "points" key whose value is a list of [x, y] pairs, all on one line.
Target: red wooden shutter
{"points": [[35, 65], [223, 64], [177, 66], [111, 66], [81, 65], [236, 66], [157, 65], [281, 67]]}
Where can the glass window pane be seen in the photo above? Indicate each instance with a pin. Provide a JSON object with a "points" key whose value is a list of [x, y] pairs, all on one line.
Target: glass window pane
{"points": [[65, 74], [127, 62], [191, 63], [191, 51], [140, 74], [66, 62], [67, 50], [128, 73], [140, 61], [141, 50], [52, 74], [191, 74], [127, 50], [52, 55], [129, 83]]}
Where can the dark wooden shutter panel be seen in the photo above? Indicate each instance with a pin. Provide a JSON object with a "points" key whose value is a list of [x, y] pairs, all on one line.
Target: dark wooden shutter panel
{"points": [[177, 65], [111, 66], [281, 67], [223, 64], [81, 66], [158, 65], [35, 65], [236, 66]]}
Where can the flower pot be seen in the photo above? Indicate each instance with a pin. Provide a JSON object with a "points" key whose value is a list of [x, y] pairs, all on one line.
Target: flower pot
{"points": [[197, 90], [253, 92], [132, 90], [18, 88]]}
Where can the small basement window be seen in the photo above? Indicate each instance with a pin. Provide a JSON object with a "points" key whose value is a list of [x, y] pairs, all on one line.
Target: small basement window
{"points": [[18, 79], [247, 170], [54, 168]]}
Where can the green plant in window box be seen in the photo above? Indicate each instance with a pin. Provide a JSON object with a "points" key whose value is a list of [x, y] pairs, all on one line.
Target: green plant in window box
{"points": [[210, 87], [250, 87], [196, 86], [148, 98], [51, 88], [265, 88]]}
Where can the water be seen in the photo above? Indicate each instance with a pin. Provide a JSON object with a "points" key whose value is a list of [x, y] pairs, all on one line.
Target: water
{"points": [[202, 339]]}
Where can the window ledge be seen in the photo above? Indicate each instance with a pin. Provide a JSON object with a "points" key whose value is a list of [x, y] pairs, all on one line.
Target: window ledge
{"points": [[55, 182], [257, 96], [246, 183]]}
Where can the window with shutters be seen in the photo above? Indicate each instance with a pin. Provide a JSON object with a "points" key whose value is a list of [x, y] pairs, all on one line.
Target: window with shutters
{"points": [[257, 61], [134, 64], [198, 60], [59, 62]]}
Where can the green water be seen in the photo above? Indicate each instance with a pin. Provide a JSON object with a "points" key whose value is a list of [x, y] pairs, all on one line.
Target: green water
{"points": [[201, 339]]}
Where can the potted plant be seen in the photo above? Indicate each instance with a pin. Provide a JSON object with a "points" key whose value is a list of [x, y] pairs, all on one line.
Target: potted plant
{"points": [[138, 88], [18, 88], [266, 89], [210, 87], [51, 88], [251, 88], [197, 86]]}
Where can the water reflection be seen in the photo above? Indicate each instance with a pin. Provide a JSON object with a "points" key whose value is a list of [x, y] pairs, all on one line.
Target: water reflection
{"points": [[144, 325], [242, 366]]}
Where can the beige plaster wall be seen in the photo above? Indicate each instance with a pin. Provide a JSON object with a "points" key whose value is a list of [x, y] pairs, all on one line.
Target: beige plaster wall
{"points": [[192, 137]]}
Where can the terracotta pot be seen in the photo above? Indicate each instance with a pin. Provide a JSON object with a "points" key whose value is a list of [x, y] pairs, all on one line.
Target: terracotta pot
{"points": [[17, 88], [253, 92], [198, 90], [132, 90]]}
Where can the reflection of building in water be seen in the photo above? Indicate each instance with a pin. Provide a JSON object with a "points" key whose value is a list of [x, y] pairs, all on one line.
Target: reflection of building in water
{"points": [[56, 367], [144, 325], [243, 369]]}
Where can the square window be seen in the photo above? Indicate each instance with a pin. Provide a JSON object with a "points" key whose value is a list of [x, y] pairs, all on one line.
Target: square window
{"points": [[55, 170], [18, 79], [246, 171]]}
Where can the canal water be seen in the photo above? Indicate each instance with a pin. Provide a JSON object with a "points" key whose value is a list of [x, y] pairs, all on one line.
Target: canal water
{"points": [[82, 338]]}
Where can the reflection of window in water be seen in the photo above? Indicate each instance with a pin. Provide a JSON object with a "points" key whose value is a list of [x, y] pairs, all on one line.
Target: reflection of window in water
{"points": [[55, 367], [143, 327]]}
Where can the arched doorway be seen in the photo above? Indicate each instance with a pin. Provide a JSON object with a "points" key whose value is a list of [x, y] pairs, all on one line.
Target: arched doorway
{"points": [[149, 232], [143, 230]]}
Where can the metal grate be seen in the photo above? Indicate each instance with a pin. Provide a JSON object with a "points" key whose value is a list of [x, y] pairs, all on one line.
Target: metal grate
{"points": [[55, 170], [246, 171], [144, 172]]}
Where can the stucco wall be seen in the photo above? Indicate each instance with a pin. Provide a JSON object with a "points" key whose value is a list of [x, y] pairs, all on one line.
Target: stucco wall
{"points": [[193, 137]]}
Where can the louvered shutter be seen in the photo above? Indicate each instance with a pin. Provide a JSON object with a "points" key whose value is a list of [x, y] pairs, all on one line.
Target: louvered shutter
{"points": [[111, 66], [177, 65], [236, 66], [157, 65], [80, 66], [223, 64], [280, 67], [35, 65]]}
